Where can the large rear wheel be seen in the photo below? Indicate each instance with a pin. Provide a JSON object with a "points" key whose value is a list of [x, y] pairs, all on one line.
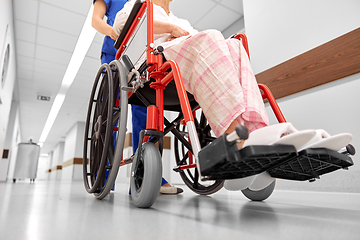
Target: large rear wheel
{"points": [[105, 130]]}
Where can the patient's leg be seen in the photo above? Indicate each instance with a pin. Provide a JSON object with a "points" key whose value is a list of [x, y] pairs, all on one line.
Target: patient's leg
{"points": [[224, 86]]}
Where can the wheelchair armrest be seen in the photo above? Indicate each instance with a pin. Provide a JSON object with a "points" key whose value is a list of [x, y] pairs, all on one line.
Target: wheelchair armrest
{"points": [[128, 23]]}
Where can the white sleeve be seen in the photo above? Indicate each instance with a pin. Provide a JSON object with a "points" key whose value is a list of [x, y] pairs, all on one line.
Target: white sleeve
{"points": [[188, 27], [122, 16]]}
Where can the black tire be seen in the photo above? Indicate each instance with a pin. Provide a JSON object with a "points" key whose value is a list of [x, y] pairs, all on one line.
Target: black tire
{"points": [[120, 118], [101, 118], [260, 195], [191, 176], [145, 179]]}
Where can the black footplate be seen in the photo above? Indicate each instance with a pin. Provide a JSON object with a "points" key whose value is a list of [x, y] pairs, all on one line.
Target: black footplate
{"points": [[222, 159], [310, 163]]}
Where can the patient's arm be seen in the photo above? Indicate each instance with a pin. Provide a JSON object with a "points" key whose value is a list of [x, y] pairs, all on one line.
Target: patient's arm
{"points": [[164, 27], [159, 26]]}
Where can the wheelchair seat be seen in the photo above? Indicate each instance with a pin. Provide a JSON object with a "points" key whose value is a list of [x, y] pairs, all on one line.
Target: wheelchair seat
{"points": [[146, 96]]}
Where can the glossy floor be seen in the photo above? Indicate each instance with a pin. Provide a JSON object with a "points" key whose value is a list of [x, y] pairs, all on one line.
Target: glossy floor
{"points": [[58, 210]]}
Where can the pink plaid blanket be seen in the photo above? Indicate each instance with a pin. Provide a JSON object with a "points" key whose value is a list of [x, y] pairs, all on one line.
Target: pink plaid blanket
{"points": [[218, 73]]}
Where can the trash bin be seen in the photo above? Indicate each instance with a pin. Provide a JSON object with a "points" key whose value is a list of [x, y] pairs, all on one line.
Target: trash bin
{"points": [[27, 161]]}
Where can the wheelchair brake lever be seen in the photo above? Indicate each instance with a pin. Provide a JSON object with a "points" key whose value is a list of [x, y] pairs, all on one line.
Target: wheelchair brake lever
{"points": [[138, 82]]}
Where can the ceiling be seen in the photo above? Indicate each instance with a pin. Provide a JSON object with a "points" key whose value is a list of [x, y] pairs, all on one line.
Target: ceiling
{"points": [[46, 32]]}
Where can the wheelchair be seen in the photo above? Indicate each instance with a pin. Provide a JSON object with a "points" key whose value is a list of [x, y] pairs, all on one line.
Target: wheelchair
{"points": [[156, 83]]}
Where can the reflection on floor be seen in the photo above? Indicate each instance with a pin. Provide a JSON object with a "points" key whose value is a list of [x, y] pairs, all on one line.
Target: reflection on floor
{"points": [[59, 210]]}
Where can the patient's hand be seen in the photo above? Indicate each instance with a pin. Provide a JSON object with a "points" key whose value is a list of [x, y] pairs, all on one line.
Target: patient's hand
{"points": [[177, 32], [170, 39]]}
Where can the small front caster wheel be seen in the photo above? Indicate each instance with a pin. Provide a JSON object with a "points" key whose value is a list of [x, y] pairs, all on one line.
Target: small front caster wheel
{"points": [[146, 173], [260, 195]]}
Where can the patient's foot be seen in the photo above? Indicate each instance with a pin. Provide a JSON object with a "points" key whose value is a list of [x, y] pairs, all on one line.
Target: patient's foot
{"points": [[285, 134], [240, 144]]}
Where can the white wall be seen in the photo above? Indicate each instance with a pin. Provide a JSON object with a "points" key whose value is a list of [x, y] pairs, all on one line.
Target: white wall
{"points": [[58, 156], [73, 149], [43, 166], [7, 86], [236, 27], [4, 162], [12, 140], [49, 162], [279, 30]]}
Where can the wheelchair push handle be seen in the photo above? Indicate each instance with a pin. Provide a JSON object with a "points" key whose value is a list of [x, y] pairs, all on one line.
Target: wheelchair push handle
{"points": [[240, 133]]}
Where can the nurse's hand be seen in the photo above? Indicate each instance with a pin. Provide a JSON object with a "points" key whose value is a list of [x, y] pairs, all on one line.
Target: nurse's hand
{"points": [[113, 35]]}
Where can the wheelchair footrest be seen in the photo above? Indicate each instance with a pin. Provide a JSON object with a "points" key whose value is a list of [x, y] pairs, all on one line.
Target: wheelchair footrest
{"points": [[310, 163], [222, 159]]}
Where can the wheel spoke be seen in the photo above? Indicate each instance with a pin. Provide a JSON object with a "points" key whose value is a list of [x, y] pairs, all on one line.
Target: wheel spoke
{"points": [[105, 98], [196, 122], [116, 117], [111, 153], [98, 154], [191, 176], [139, 173], [92, 160], [105, 107], [100, 99], [98, 162], [203, 121], [183, 160], [209, 139], [103, 127], [207, 129], [196, 179], [94, 165], [93, 137]]}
